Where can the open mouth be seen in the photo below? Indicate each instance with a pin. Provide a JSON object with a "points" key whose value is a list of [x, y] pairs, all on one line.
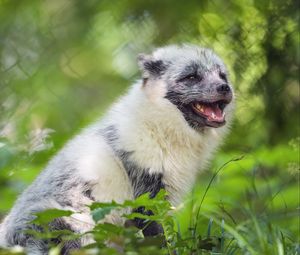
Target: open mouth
{"points": [[212, 112]]}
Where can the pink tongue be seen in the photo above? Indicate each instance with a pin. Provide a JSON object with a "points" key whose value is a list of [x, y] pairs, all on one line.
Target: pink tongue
{"points": [[213, 112]]}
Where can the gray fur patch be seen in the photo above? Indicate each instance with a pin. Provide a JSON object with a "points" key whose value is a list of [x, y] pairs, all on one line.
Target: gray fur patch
{"points": [[141, 180], [35, 245], [55, 186]]}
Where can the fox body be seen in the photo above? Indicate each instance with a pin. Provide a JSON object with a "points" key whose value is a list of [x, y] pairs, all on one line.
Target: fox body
{"points": [[159, 135]]}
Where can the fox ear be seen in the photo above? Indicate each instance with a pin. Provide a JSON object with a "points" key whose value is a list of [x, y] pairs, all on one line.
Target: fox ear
{"points": [[150, 66]]}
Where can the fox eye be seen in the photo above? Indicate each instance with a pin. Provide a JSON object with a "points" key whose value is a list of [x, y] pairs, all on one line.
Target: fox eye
{"points": [[223, 76], [191, 77]]}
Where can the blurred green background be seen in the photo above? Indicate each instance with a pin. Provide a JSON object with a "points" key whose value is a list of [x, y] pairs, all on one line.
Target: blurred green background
{"points": [[63, 62]]}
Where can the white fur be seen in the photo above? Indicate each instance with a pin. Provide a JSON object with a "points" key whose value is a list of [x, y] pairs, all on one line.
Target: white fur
{"points": [[96, 163]]}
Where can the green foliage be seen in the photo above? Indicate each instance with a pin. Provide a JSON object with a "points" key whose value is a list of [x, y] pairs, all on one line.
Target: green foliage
{"points": [[47, 216], [63, 62], [253, 232]]}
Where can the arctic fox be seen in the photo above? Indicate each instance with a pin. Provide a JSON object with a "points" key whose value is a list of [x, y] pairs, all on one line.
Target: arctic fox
{"points": [[158, 136]]}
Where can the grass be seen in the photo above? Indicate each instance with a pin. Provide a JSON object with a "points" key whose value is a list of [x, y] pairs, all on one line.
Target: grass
{"points": [[247, 206]]}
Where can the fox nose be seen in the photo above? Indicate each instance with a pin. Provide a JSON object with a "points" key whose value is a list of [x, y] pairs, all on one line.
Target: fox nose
{"points": [[223, 89]]}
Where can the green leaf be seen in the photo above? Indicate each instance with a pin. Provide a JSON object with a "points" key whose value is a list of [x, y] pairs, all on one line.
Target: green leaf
{"points": [[100, 213], [97, 205], [48, 215], [209, 243], [108, 227]]}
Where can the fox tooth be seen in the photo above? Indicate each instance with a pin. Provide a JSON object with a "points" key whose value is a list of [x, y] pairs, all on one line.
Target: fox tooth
{"points": [[200, 107], [213, 115]]}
